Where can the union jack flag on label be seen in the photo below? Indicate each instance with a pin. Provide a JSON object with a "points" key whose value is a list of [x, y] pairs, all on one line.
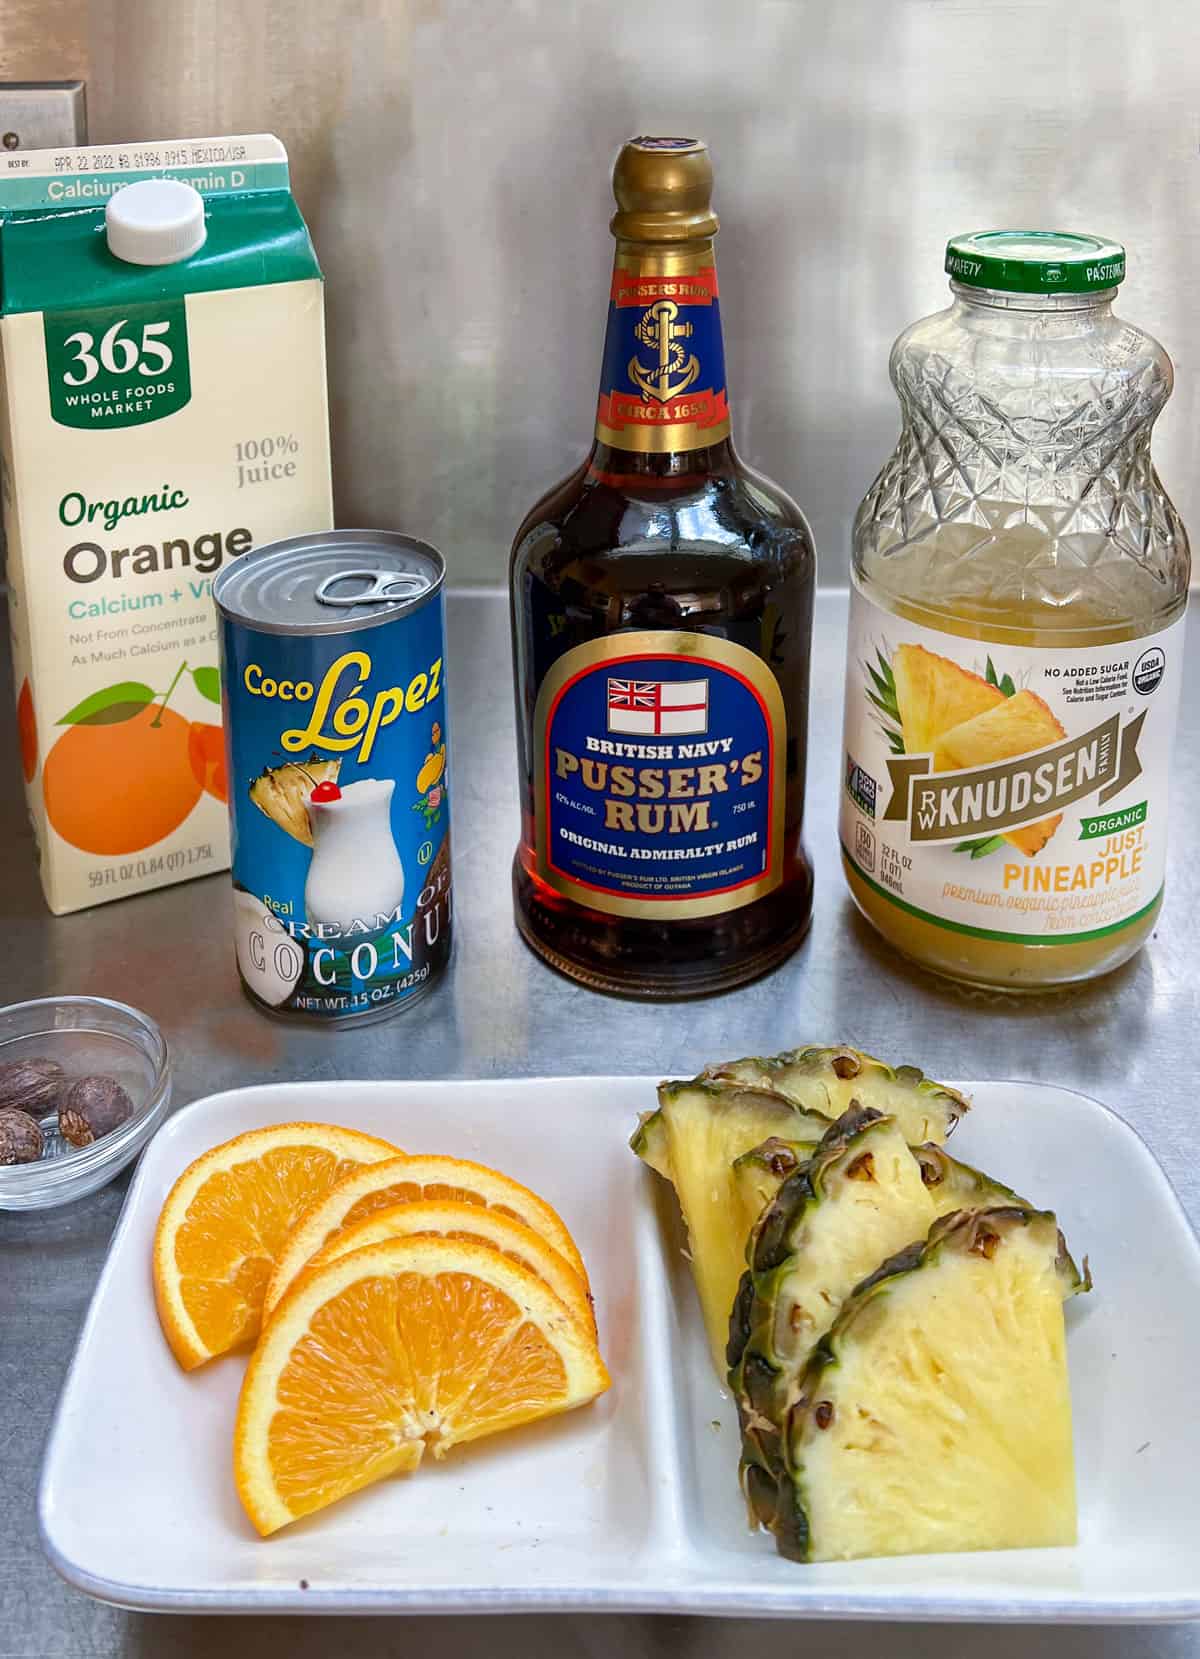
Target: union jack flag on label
{"points": [[658, 708]]}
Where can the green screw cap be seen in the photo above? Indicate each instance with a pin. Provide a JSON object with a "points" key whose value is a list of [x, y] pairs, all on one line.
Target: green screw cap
{"points": [[1035, 261]]}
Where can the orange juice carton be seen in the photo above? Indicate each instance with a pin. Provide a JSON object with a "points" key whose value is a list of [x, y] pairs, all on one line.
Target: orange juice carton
{"points": [[162, 411]]}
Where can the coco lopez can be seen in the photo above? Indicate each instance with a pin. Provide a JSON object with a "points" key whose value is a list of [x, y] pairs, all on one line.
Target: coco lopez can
{"points": [[333, 661]]}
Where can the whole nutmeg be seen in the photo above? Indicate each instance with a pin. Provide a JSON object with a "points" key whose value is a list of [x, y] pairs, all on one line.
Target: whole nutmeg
{"points": [[92, 1107], [32, 1086], [21, 1139]]}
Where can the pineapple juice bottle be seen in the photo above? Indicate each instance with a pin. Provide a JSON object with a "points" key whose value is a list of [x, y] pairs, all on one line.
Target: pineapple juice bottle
{"points": [[1019, 583]]}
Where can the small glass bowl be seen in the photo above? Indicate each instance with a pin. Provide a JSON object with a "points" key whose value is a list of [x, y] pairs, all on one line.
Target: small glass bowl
{"points": [[87, 1036]]}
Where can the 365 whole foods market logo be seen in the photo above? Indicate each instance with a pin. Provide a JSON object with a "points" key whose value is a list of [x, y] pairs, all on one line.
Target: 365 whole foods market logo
{"points": [[1010, 766], [119, 365]]}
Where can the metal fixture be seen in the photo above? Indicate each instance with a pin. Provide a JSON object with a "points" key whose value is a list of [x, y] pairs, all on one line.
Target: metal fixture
{"points": [[42, 115]]}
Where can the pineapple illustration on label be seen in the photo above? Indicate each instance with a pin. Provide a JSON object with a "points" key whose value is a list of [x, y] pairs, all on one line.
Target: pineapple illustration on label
{"points": [[1007, 792], [969, 721], [282, 793]]}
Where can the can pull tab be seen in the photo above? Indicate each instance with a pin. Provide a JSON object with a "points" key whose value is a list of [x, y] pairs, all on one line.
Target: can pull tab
{"points": [[383, 587]]}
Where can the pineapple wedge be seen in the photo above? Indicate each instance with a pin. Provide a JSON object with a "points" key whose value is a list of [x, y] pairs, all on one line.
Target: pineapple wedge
{"points": [[829, 1080], [933, 694], [952, 1185], [859, 1199], [1031, 838], [692, 1140], [649, 1141], [759, 1174], [956, 1186], [281, 792], [1022, 724], [936, 1414], [830, 1215], [702, 1127]]}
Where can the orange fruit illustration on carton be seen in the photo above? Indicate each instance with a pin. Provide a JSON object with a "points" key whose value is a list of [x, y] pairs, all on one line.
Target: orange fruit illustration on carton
{"points": [[206, 751], [27, 731], [128, 770]]}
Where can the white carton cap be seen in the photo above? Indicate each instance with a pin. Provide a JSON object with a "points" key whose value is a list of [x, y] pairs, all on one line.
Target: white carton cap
{"points": [[155, 222]]}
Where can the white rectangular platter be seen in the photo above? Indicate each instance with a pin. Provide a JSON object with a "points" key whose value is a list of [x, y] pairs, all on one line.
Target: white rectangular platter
{"points": [[633, 1503]]}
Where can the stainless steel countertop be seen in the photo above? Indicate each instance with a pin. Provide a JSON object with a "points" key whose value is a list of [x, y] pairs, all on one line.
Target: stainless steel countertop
{"points": [[503, 1014]]}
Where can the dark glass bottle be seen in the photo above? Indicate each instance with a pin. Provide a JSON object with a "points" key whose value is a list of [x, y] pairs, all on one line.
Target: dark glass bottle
{"points": [[662, 620]]}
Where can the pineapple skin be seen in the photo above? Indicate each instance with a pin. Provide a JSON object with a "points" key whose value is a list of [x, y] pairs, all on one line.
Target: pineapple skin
{"points": [[759, 1174], [782, 1457], [649, 1141], [953, 1185], [830, 1080]]}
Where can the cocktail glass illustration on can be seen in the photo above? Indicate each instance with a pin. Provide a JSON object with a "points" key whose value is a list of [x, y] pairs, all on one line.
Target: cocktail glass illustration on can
{"points": [[334, 677], [355, 869]]}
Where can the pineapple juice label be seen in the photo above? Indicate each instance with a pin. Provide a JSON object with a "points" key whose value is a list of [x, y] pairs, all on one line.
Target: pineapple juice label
{"points": [[162, 411], [1009, 793], [333, 657]]}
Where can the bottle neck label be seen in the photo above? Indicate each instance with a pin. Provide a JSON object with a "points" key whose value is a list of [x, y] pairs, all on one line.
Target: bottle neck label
{"points": [[662, 386]]}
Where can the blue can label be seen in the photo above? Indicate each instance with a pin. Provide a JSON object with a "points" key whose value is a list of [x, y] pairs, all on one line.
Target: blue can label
{"points": [[340, 812], [660, 775]]}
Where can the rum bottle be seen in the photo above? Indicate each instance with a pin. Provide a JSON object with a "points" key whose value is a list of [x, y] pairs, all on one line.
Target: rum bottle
{"points": [[662, 618]]}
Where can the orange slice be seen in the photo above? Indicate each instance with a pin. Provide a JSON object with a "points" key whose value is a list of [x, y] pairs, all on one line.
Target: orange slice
{"points": [[405, 1181], [225, 1221], [447, 1219], [413, 1344]]}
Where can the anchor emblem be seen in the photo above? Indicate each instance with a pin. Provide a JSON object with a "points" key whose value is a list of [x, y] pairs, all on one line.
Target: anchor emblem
{"points": [[659, 330]]}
